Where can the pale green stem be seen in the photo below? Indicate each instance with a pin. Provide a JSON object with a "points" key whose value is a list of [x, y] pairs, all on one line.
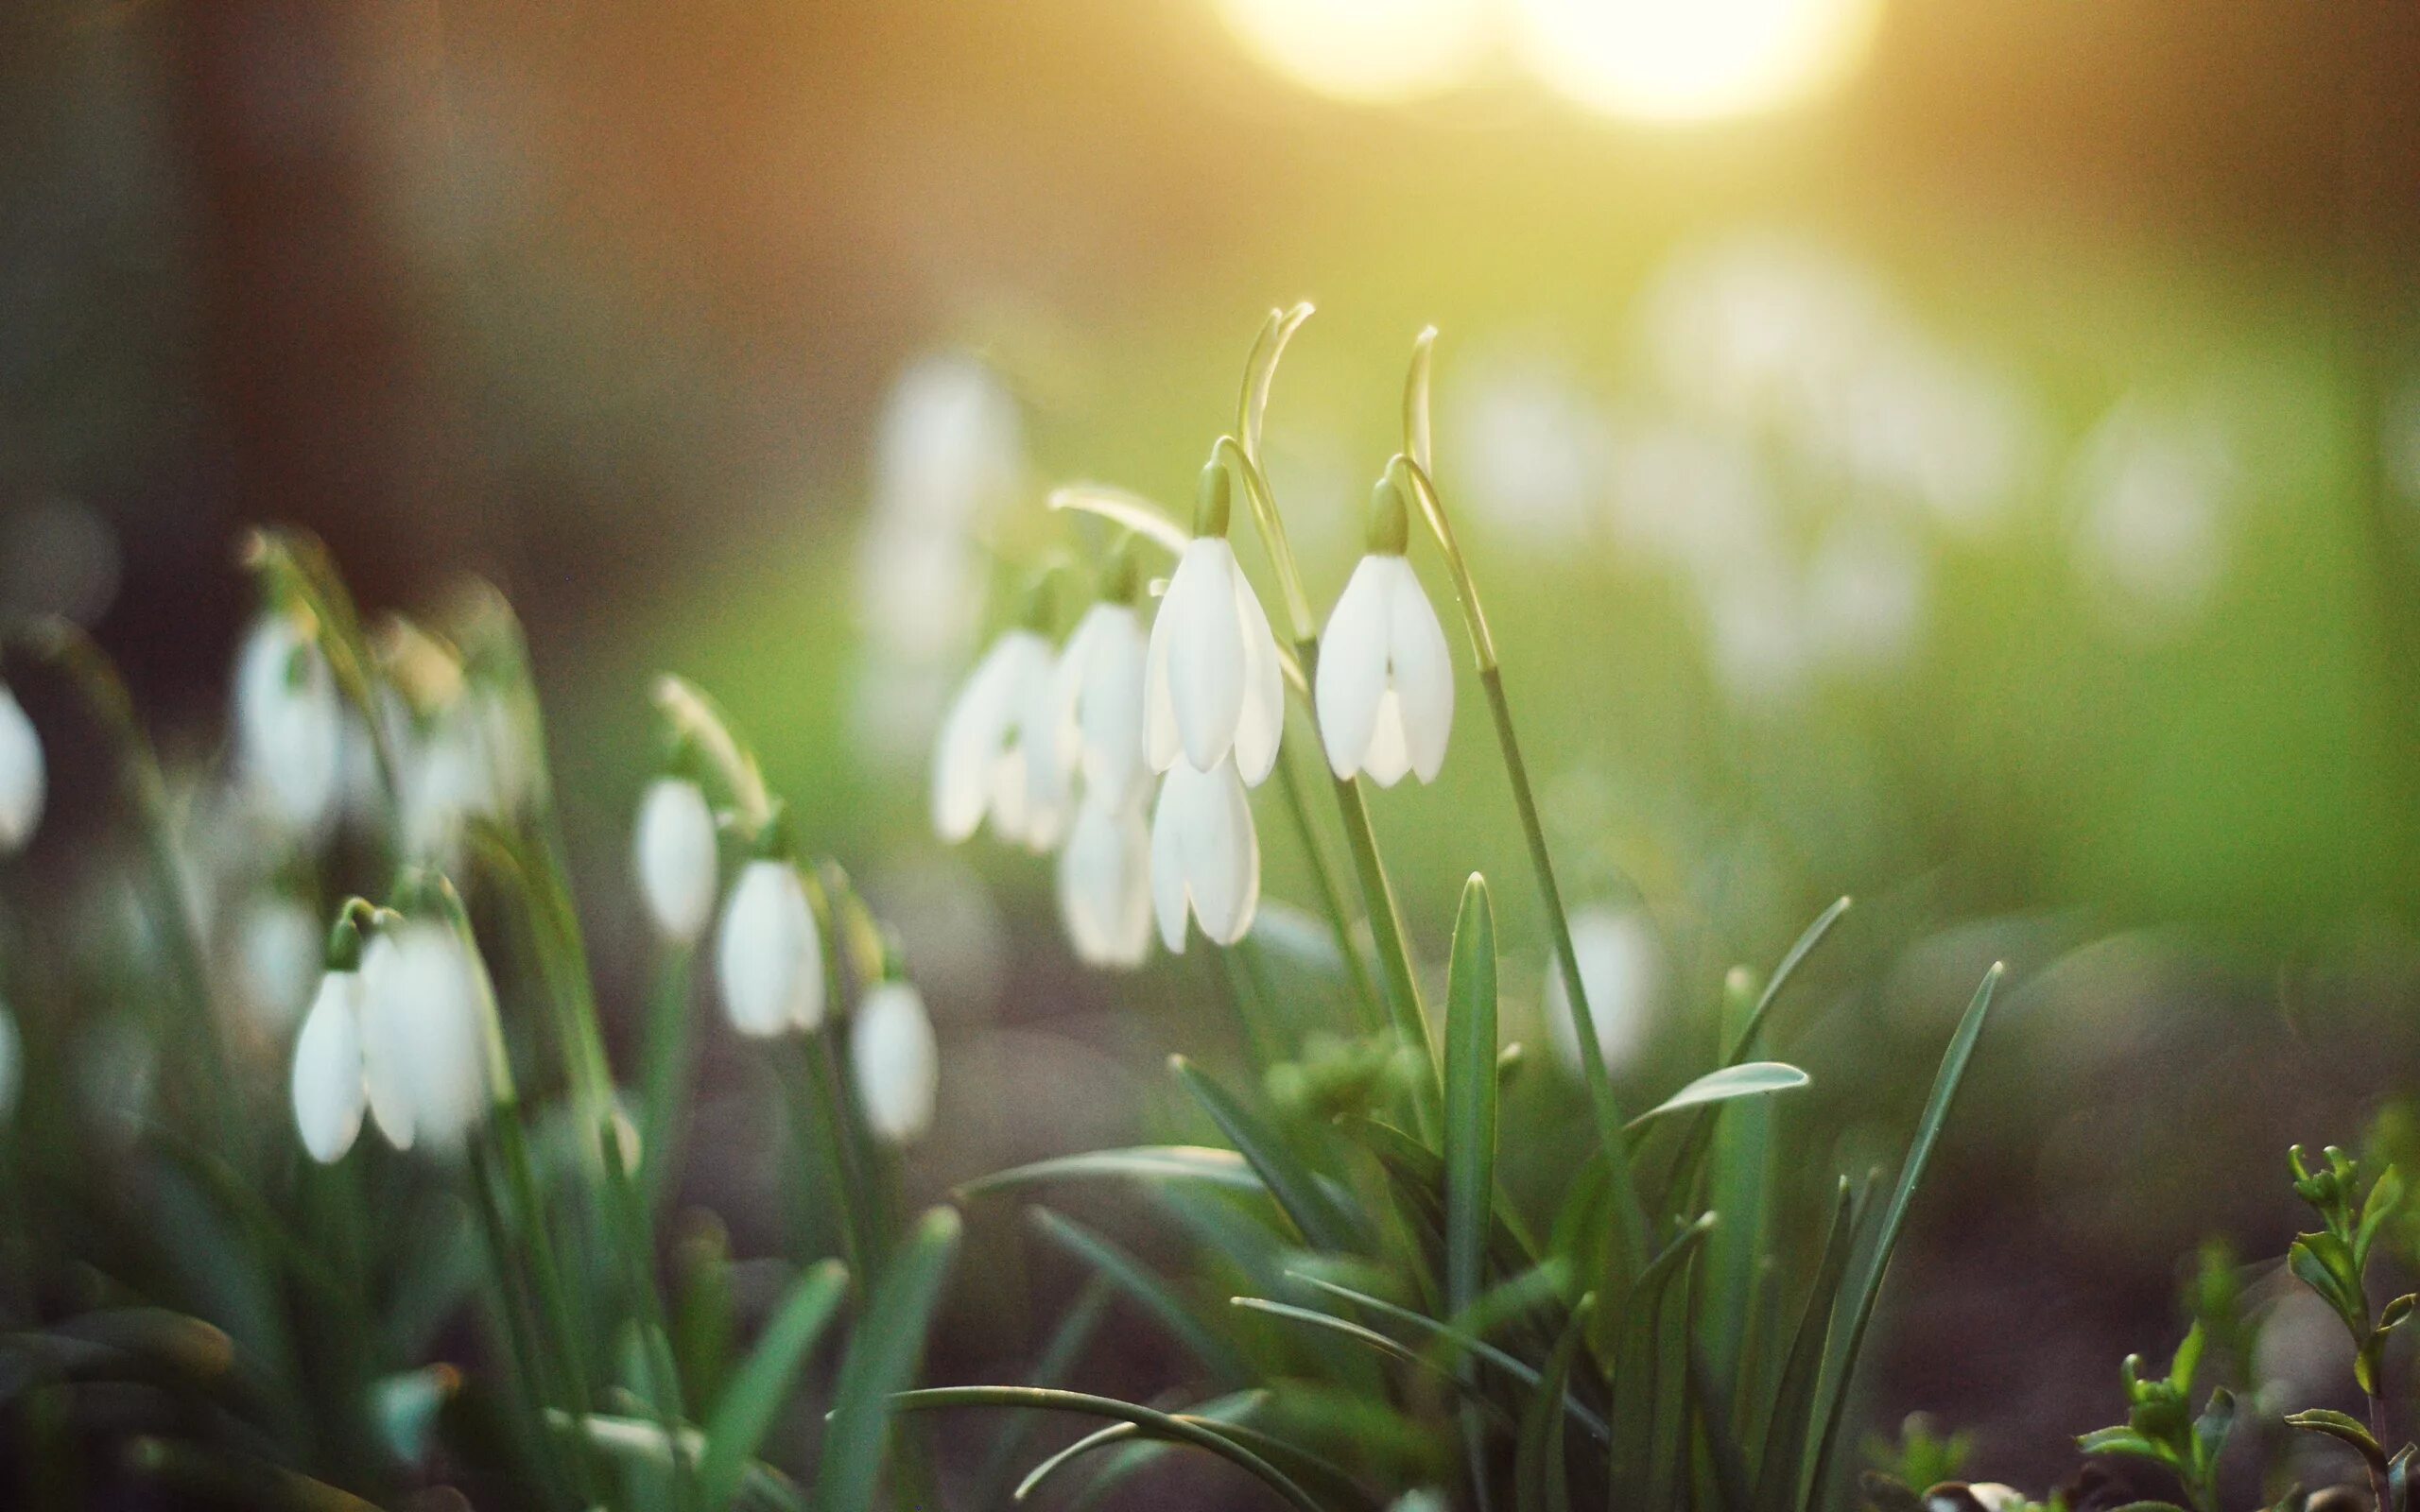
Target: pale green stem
{"points": [[1340, 915], [665, 1075], [1414, 480]]}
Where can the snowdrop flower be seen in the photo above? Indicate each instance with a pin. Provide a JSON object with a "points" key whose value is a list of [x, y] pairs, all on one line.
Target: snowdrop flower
{"points": [[1385, 689], [12, 1065], [1204, 855], [1105, 882], [330, 1085], [1212, 683], [279, 947], [995, 735], [768, 957], [675, 858], [22, 784], [896, 1061], [423, 1013], [1621, 967], [1097, 694], [289, 724]]}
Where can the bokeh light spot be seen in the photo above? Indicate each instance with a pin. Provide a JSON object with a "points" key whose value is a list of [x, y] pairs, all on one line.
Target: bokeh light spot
{"points": [[1375, 51], [1697, 61]]}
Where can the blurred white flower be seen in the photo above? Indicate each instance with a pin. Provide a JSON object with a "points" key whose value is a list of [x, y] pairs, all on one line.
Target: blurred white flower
{"points": [[1866, 591], [279, 943], [1204, 855], [896, 1061], [1763, 329], [446, 782], [675, 858], [1097, 696], [1693, 495], [23, 784], [289, 725], [2154, 490], [330, 1085], [1105, 882], [1621, 966], [1532, 450], [1757, 635], [997, 731], [12, 1065], [424, 1037], [768, 956], [1212, 686], [1385, 678]]}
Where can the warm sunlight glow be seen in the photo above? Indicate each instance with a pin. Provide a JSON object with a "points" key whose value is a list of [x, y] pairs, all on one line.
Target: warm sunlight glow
{"points": [[1691, 59], [1371, 50]]}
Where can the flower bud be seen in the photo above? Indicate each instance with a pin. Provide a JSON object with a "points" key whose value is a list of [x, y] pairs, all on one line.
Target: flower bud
{"points": [[892, 1051], [329, 1088], [22, 784], [767, 956], [675, 857]]}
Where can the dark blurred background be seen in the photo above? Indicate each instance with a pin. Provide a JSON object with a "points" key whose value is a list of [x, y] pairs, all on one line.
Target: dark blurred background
{"points": [[1964, 455]]}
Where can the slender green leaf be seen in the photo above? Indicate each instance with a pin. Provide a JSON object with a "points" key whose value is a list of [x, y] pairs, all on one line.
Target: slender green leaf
{"points": [[1149, 1162], [1060, 1357], [1540, 1476], [1154, 1295], [1753, 1078], [887, 1342], [1841, 1362], [1795, 958], [1470, 1097], [1633, 1419], [754, 1398], [1787, 1426], [1323, 1220]]}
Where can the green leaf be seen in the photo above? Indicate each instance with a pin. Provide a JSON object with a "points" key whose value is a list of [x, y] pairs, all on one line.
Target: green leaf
{"points": [[1260, 369], [2386, 1195], [887, 1342], [2120, 1441], [1154, 1295], [1146, 1163], [1540, 1480], [747, 1407], [1792, 1417], [2343, 1427], [1753, 1078], [1060, 1357], [1151, 1422], [1866, 1284], [1790, 962], [1321, 1219], [2188, 1361], [2324, 1262], [1470, 1097], [1635, 1391], [642, 1442]]}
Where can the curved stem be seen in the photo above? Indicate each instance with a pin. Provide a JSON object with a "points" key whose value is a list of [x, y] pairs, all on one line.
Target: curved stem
{"points": [[1602, 1098]]}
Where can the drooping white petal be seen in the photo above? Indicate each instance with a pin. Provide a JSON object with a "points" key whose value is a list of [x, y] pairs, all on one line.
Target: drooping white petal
{"points": [[675, 857], [439, 990], [1421, 668], [1261, 722], [445, 782], [23, 784], [1104, 882], [1222, 856], [1170, 903], [1352, 676], [1109, 709], [289, 725], [1041, 750], [969, 744], [1206, 670], [768, 958], [1622, 968], [896, 1061], [386, 1044], [1389, 755], [328, 1087], [1161, 743]]}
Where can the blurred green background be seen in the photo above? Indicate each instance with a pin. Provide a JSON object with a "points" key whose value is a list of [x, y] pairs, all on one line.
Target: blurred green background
{"points": [[1971, 462]]}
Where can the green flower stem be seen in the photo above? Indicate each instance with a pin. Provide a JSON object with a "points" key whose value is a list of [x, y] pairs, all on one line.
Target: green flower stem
{"points": [[815, 1128], [638, 1254], [1339, 914], [1386, 920], [1411, 476], [853, 953], [95, 680], [665, 1070], [527, 1360]]}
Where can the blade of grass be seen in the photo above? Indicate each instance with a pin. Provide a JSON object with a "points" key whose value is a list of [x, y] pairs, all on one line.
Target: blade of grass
{"points": [[748, 1406], [1060, 1357], [1323, 1221], [1751, 1078], [1470, 1134], [1633, 1419], [1841, 1362], [1787, 1425], [1149, 1162], [1154, 1295], [1539, 1482], [888, 1341]]}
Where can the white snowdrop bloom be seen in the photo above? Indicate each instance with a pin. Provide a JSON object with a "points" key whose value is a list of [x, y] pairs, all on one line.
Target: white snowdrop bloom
{"points": [[1621, 966], [896, 1061], [1385, 688], [279, 943], [426, 1002], [12, 1065], [768, 957], [1866, 591], [23, 784], [330, 1088], [996, 730], [1213, 685], [1097, 703], [445, 782], [2156, 492], [1204, 855], [386, 1044], [289, 725], [675, 857], [1105, 882]]}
